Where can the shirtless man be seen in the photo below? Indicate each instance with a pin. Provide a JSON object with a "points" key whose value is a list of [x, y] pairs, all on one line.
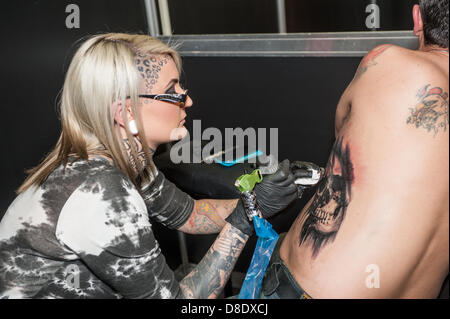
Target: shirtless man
{"points": [[378, 225]]}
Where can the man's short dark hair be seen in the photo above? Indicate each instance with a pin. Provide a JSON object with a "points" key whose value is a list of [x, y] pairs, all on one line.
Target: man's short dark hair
{"points": [[435, 21]]}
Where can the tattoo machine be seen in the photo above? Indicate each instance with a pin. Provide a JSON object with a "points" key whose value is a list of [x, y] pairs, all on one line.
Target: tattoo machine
{"points": [[307, 174], [313, 175], [267, 237]]}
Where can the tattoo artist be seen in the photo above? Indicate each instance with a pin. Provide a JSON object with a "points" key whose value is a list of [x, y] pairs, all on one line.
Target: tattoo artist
{"points": [[140, 76]]}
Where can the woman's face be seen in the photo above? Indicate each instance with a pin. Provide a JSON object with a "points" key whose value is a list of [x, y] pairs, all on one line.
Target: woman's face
{"points": [[162, 121]]}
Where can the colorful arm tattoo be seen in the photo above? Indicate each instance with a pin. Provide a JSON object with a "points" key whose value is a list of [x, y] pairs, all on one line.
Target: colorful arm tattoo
{"points": [[369, 60], [209, 216], [431, 113], [211, 274]]}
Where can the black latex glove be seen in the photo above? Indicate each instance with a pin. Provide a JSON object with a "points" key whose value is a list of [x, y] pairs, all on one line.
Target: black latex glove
{"points": [[273, 194], [276, 191], [238, 219]]}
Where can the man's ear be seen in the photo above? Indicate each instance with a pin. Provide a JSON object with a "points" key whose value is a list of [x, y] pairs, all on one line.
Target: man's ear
{"points": [[418, 22], [118, 112]]}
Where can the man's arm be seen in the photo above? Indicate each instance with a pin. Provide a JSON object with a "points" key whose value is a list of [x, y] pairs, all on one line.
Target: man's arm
{"points": [[369, 62]]}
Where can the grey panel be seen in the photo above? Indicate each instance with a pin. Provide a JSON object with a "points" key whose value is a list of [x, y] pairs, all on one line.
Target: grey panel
{"points": [[353, 44]]}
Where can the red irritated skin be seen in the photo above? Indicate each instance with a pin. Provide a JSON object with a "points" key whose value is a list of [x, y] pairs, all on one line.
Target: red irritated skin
{"points": [[370, 59]]}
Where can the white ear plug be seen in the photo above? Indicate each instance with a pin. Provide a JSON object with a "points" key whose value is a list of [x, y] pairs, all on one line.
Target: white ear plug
{"points": [[132, 127]]}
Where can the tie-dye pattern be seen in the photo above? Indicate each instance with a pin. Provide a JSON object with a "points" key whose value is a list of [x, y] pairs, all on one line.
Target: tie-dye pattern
{"points": [[87, 222]]}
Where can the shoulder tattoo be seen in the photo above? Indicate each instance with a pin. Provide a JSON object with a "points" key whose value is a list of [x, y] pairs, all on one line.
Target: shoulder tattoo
{"points": [[369, 59], [431, 112]]}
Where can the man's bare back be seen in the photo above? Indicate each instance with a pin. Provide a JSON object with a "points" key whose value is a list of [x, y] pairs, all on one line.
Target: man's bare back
{"points": [[382, 211]]}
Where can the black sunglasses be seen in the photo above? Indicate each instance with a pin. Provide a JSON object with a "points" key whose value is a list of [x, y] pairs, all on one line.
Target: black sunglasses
{"points": [[175, 98]]}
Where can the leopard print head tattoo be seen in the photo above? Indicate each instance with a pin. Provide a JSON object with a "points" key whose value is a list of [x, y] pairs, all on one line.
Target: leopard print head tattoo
{"points": [[149, 67]]}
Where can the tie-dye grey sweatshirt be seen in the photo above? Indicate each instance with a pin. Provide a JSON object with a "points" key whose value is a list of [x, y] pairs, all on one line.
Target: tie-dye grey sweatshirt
{"points": [[86, 233]]}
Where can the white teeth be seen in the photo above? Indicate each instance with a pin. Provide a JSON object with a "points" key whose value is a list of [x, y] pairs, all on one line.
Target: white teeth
{"points": [[324, 217]]}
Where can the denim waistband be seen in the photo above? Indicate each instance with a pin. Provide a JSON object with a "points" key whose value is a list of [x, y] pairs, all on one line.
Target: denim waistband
{"points": [[279, 280]]}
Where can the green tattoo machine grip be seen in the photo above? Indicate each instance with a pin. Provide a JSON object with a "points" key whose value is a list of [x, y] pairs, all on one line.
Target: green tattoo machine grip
{"points": [[267, 237], [245, 184]]}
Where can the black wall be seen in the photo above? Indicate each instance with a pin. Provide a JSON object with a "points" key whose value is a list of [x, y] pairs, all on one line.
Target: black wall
{"points": [[347, 15], [36, 49], [260, 16]]}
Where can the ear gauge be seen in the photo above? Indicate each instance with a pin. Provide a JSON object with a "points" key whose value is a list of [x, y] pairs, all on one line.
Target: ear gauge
{"points": [[132, 127]]}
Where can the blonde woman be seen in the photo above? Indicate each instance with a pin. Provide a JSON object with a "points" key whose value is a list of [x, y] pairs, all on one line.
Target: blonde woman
{"points": [[80, 226]]}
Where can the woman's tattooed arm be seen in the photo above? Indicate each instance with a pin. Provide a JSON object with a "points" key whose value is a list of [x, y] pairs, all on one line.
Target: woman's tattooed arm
{"points": [[208, 279], [208, 216]]}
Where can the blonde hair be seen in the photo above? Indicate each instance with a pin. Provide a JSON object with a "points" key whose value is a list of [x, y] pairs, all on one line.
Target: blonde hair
{"points": [[102, 72]]}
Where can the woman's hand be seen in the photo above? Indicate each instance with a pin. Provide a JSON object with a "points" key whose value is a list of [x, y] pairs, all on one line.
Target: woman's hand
{"points": [[276, 191], [273, 194]]}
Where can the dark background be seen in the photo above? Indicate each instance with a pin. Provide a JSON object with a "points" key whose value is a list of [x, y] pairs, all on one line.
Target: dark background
{"points": [[296, 95], [259, 16], [36, 50]]}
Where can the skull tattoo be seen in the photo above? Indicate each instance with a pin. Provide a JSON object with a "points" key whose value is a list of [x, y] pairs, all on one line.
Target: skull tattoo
{"points": [[327, 211]]}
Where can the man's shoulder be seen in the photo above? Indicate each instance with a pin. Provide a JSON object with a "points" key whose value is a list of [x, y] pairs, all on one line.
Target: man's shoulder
{"points": [[395, 73], [391, 61], [415, 64], [405, 90]]}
